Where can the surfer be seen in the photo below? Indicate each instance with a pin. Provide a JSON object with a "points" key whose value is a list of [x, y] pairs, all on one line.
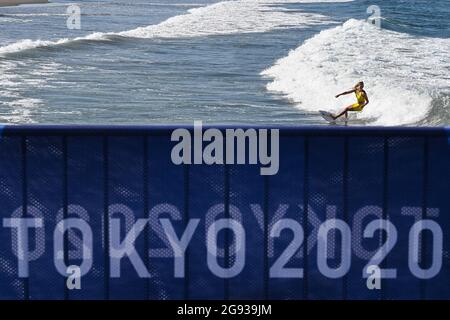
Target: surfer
{"points": [[361, 97]]}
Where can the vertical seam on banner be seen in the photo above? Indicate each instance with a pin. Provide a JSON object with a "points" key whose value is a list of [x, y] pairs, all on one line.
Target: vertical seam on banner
{"points": [[65, 212], [345, 207], [447, 131], [385, 206], [186, 219], [424, 213], [146, 214], [26, 281], [305, 216], [106, 216], [266, 238], [227, 232]]}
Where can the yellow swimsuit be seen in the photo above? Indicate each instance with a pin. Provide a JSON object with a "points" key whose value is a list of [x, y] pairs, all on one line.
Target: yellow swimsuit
{"points": [[361, 101]]}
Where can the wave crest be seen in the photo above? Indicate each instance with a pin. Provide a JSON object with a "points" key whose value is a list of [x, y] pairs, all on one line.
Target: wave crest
{"points": [[227, 17], [402, 73]]}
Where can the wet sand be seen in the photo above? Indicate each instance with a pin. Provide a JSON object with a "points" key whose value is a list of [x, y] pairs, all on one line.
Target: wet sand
{"points": [[4, 3]]}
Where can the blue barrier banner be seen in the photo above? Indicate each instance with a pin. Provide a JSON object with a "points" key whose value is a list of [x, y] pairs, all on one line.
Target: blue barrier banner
{"points": [[168, 213]]}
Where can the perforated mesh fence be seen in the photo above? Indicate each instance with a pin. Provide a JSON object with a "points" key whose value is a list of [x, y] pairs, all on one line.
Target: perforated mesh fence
{"points": [[384, 189]]}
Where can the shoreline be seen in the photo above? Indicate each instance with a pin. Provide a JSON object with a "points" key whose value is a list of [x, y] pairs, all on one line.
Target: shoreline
{"points": [[8, 3]]}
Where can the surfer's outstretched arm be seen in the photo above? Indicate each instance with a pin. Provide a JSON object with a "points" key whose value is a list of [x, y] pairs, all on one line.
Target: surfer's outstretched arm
{"points": [[345, 92]]}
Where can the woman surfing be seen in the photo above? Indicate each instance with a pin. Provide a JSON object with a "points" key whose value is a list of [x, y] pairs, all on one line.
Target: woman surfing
{"points": [[361, 97]]}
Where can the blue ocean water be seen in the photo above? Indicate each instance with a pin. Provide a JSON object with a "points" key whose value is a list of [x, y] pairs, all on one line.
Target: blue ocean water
{"points": [[242, 61]]}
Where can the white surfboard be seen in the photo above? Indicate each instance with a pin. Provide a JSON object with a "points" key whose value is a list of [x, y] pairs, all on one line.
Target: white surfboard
{"points": [[327, 116], [352, 119]]}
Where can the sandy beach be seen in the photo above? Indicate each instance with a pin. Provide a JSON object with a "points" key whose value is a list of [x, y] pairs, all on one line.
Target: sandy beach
{"points": [[4, 3]]}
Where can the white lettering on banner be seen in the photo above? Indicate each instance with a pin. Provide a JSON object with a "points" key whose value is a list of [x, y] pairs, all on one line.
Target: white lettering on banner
{"points": [[21, 226], [58, 240], [373, 277], [179, 237], [248, 146], [74, 278]]}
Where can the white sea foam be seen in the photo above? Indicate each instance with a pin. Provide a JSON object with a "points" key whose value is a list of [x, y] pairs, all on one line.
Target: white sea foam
{"points": [[402, 73], [28, 44], [13, 20], [228, 17]]}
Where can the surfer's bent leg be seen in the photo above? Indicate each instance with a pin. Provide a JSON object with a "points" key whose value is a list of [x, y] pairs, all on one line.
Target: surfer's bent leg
{"points": [[343, 112]]}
